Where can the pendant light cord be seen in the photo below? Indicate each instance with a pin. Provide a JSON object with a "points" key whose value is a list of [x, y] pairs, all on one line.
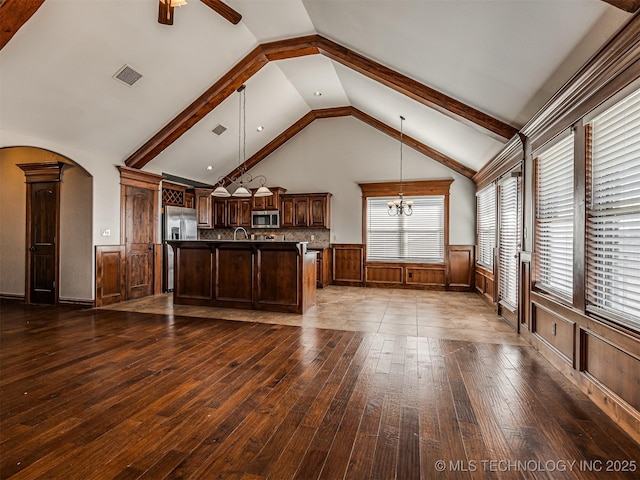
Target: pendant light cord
{"points": [[401, 135]]}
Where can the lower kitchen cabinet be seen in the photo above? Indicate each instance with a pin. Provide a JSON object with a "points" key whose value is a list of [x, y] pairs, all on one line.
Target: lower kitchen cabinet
{"points": [[325, 266]]}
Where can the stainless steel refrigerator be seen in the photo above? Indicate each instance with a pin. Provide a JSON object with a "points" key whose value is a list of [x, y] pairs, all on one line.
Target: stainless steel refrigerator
{"points": [[178, 223]]}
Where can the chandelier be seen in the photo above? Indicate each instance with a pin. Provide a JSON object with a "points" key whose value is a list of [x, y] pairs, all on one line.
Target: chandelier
{"points": [[400, 206], [244, 178]]}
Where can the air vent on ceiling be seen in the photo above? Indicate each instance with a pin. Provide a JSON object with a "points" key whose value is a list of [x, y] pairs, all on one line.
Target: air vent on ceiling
{"points": [[127, 75], [219, 130]]}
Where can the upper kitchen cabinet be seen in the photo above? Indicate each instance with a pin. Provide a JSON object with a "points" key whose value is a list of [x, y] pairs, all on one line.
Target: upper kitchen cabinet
{"points": [[203, 207], [319, 210], [173, 194], [305, 210], [272, 202], [239, 212]]}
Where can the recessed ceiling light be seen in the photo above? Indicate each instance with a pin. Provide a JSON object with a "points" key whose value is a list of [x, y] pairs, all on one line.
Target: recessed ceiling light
{"points": [[260, 128], [317, 94], [209, 168]]}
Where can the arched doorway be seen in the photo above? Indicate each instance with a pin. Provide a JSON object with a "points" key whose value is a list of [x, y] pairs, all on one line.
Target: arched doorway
{"points": [[73, 242]]}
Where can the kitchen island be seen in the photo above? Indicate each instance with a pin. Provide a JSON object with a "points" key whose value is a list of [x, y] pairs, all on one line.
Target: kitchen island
{"points": [[277, 276]]}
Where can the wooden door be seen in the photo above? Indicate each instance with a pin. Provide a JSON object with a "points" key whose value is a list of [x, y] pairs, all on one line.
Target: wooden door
{"points": [[139, 238], [42, 259]]}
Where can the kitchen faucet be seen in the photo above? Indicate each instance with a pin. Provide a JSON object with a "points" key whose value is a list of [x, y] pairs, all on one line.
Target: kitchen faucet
{"points": [[235, 232]]}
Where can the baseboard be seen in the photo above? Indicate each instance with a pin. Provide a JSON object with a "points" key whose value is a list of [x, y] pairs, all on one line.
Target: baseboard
{"points": [[12, 296], [76, 301]]}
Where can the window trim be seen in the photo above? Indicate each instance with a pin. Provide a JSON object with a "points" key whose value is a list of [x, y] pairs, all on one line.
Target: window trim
{"points": [[412, 188]]}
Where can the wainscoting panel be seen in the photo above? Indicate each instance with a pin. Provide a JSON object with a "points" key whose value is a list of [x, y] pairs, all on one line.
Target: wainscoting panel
{"points": [[611, 366], [558, 332], [460, 261], [110, 274], [348, 264]]}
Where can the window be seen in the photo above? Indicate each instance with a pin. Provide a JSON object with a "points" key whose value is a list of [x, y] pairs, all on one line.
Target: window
{"points": [[554, 219], [420, 237], [613, 212], [509, 238], [486, 214], [416, 238]]}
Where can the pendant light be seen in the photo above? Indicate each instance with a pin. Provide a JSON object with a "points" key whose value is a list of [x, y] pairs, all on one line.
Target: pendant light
{"points": [[400, 206], [244, 178]]}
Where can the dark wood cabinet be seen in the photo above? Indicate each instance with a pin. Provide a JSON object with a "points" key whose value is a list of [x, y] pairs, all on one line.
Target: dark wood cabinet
{"points": [[305, 210], [232, 212], [189, 200], [219, 213], [239, 212], [286, 212], [324, 274], [301, 211], [319, 208], [203, 207], [271, 202]]}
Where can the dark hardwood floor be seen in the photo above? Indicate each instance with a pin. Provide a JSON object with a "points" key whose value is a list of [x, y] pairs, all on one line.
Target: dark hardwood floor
{"points": [[98, 394]]}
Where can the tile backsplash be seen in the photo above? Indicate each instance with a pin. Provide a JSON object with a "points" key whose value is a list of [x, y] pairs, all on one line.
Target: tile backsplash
{"points": [[321, 236]]}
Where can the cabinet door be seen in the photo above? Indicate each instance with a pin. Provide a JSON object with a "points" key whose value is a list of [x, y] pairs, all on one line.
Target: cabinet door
{"points": [[319, 212], [203, 208], [189, 200], [232, 213], [244, 213], [301, 211], [220, 213], [259, 203], [286, 212]]}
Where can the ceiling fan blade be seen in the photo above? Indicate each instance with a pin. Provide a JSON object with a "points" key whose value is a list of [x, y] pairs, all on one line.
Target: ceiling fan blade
{"points": [[223, 9], [165, 13]]}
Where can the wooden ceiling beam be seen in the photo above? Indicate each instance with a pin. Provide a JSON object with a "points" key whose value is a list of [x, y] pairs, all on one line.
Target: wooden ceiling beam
{"points": [[415, 144], [630, 6], [312, 45], [347, 111], [14, 14], [224, 10], [199, 109], [416, 90]]}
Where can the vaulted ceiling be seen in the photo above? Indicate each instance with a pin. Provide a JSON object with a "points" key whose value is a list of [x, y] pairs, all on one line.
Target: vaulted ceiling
{"points": [[465, 74]]}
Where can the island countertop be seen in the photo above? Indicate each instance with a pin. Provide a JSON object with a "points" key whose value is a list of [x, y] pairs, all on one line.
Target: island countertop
{"points": [[253, 274]]}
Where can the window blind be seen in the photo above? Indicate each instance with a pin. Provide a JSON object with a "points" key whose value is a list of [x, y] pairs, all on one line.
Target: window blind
{"points": [[486, 218], [509, 239], [613, 212], [419, 237], [554, 219]]}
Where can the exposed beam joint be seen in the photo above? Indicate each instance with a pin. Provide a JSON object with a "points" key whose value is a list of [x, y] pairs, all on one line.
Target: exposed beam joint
{"points": [[347, 111], [313, 45]]}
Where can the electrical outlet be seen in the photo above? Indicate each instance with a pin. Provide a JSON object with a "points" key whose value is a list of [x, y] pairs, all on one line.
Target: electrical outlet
{"points": [[105, 232], [313, 237]]}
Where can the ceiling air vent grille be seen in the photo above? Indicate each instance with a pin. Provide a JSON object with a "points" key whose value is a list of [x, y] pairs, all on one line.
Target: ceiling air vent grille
{"points": [[127, 75], [219, 130]]}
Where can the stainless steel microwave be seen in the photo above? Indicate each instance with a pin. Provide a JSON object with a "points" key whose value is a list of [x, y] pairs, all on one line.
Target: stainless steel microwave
{"points": [[265, 219]]}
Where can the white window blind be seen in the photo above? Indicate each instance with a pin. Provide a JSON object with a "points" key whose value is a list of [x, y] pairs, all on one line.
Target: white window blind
{"points": [[419, 237], [509, 240], [486, 218], [613, 212], [554, 219]]}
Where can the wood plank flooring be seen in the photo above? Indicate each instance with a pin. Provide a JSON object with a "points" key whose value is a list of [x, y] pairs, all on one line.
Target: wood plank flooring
{"points": [[102, 394]]}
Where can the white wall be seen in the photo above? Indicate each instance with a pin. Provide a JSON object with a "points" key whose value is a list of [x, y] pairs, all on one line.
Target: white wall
{"points": [[334, 155]]}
